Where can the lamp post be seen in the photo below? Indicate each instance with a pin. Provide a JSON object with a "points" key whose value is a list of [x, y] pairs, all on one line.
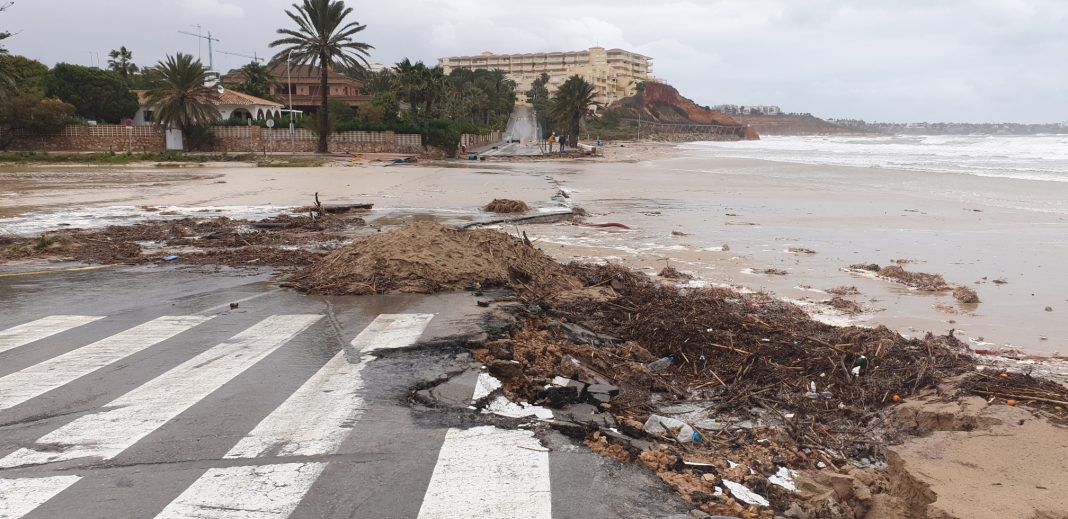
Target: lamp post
{"points": [[292, 130]]}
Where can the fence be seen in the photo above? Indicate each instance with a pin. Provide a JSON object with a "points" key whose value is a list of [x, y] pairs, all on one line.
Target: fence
{"points": [[473, 141], [239, 139]]}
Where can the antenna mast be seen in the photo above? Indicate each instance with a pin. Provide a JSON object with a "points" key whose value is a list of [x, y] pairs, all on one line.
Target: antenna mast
{"points": [[211, 54]]}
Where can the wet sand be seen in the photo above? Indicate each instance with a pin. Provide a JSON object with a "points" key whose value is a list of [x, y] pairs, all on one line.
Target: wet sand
{"points": [[965, 228]]}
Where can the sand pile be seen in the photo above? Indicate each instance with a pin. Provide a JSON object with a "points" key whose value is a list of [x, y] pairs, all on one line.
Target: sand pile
{"points": [[505, 206], [427, 257]]}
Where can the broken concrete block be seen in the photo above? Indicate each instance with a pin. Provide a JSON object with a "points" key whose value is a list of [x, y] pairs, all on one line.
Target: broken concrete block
{"points": [[558, 396], [670, 427], [505, 368], [603, 388]]}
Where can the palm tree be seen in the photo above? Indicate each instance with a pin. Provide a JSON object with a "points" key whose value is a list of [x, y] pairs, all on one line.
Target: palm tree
{"points": [[571, 103], [257, 80], [322, 39], [182, 99], [122, 62]]}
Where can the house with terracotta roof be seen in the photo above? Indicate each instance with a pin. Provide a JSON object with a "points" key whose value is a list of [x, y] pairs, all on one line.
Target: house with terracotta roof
{"points": [[231, 103], [302, 82]]}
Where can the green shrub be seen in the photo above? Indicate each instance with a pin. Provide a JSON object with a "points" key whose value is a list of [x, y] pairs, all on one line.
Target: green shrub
{"points": [[43, 242]]}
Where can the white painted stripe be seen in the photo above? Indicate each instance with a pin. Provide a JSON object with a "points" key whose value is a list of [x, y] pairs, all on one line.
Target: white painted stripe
{"points": [[131, 417], [36, 380], [23, 334], [260, 492], [489, 473], [317, 418], [19, 497], [391, 331]]}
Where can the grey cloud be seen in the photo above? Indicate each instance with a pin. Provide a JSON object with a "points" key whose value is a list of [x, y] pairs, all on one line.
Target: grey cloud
{"points": [[901, 60]]}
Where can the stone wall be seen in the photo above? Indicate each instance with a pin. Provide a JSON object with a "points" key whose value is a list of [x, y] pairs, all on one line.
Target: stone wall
{"points": [[232, 139], [238, 139], [108, 137], [474, 141]]}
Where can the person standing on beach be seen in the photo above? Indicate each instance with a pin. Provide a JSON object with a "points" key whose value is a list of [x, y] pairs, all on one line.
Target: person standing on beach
{"points": [[551, 141]]}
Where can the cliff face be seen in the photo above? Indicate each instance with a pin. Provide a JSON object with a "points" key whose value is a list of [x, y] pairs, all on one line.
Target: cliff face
{"points": [[793, 125], [668, 106], [664, 113]]}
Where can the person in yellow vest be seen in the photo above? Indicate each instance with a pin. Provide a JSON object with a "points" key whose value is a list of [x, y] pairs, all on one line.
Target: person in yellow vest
{"points": [[551, 141]]}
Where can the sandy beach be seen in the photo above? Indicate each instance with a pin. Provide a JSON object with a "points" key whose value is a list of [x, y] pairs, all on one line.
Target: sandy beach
{"points": [[681, 209]]}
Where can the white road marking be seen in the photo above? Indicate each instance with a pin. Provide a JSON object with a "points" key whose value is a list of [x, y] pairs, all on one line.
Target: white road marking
{"points": [[391, 331], [259, 492], [489, 473], [131, 417], [19, 497], [317, 418], [36, 380], [23, 334]]}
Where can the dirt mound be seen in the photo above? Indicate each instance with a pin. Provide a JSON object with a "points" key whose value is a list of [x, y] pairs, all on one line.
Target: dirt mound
{"points": [[917, 280], [505, 206], [427, 257]]}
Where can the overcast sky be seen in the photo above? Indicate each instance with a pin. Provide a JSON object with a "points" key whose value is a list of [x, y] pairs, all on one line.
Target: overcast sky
{"points": [[886, 60]]}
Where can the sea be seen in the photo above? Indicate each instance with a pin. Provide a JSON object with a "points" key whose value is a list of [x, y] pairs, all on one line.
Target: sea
{"points": [[1041, 158]]}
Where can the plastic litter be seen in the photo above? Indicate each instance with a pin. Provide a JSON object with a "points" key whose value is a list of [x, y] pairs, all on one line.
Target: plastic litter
{"points": [[170, 258]]}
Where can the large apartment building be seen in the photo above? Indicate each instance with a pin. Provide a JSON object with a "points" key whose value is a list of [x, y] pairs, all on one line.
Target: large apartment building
{"points": [[614, 72]]}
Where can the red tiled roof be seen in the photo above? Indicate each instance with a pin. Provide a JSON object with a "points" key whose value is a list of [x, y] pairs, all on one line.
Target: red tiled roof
{"points": [[228, 97]]}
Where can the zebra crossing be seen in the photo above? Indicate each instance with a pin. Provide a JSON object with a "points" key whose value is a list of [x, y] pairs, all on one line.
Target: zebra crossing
{"points": [[270, 470]]}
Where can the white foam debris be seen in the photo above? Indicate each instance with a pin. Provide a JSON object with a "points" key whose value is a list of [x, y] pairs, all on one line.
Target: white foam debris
{"points": [[742, 493], [485, 385], [784, 478], [501, 406]]}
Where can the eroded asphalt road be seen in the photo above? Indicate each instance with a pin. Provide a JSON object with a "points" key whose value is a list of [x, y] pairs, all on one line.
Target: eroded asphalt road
{"points": [[139, 392]]}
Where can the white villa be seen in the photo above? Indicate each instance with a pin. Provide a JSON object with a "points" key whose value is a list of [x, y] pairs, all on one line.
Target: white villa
{"points": [[232, 105]]}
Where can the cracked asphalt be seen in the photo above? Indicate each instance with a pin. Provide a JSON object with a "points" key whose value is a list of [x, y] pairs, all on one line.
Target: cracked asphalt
{"points": [[138, 392]]}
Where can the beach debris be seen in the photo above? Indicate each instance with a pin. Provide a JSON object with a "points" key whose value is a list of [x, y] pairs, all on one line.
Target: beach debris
{"points": [[917, 280], [678, 233], [602, 225], [1049, 308], [845, 305], [965, 295], [843, 291], [1021, 388], [800, 250], [233, 306], [172, 257], [427, 257], [1000, 281], [673, 273], [578, 211], [506, 206], [771, 272], [725, 247], [870, 267]]}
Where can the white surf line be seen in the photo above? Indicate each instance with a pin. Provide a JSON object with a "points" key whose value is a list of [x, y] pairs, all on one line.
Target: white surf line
{"points": [[38, 379], [489, 473], [23, 334], [391, 331], [19, 497], [259, 492], [318, 416], [129, 418]]}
